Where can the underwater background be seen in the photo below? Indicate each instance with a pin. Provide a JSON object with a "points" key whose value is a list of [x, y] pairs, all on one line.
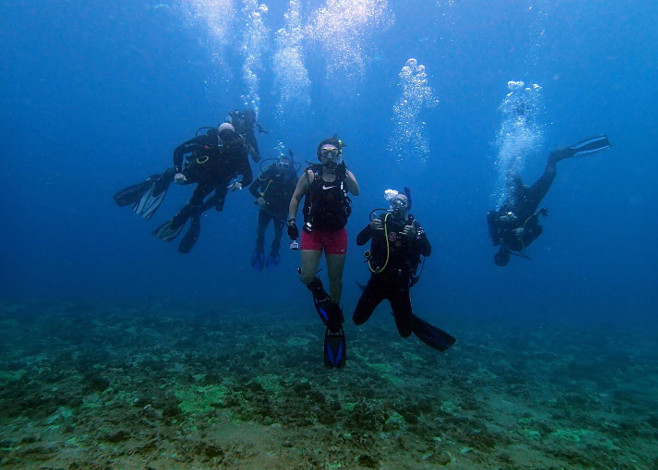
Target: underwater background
{"points": [[119, 352]]}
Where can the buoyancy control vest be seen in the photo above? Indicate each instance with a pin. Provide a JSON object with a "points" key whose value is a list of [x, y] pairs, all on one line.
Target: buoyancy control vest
{"points": [[326, 206]]}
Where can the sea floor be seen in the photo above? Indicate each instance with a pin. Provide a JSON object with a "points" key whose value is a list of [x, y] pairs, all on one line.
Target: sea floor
{"points": [[150, 386]]}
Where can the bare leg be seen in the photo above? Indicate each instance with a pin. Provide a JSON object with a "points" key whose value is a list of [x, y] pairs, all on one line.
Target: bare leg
{"points": [[310, 263], [335, 266]]}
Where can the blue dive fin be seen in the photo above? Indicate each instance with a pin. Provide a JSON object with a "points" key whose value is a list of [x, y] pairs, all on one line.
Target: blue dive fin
{"points": [[334, 349]]}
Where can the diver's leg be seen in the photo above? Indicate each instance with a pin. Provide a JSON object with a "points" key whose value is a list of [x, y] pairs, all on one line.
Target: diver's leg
{"points": [[401, 304], [535, 193], [196, 201], [370, 298], [310, 263], [278, 224], [263, 220], [258, 255], [329, 311], [335, 267], [220, 195], [335, 247]]}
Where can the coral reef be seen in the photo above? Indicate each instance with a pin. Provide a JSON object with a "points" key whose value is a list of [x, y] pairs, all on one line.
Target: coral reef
{"points": [[152, 386]]}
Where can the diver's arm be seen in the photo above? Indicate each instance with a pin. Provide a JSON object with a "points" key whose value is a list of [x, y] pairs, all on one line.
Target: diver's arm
{"points": [[350, 182], [254, 188], [184, 148], [257, 186], [245, 170], [425, 247], [302, 187]]}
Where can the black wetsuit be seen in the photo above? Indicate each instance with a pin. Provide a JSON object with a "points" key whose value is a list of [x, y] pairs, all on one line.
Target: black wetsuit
{"points": [[276, 186], [392, 275], [244, 123], [516, 224], [211, 166]]}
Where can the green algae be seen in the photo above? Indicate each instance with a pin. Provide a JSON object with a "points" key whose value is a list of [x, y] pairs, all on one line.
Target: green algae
{"points": [[532, 434], [298, 341], [382, 367], [573, 435], [269, 382], [396, 421], [448, 407], [201, 399]]}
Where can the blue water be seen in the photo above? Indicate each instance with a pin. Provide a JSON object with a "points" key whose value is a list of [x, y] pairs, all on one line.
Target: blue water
{"points": [[96, 95]]}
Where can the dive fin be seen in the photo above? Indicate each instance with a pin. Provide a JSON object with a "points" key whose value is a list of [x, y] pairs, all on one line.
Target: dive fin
{"points": [[258, 260], [588, 146], [133, 194], [273, 259], [334, 348], [192, 235], [429, 334], [330, 312], [166, 233], [154, 195]]}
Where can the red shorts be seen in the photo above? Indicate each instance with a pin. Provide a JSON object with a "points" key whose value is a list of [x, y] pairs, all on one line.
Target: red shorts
{"points": [[333, 243]]}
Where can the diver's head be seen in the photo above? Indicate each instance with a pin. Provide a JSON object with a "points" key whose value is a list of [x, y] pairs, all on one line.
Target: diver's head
{"points": [[330, 151], [283, 163], [226, 132], [502, 257], [398, 203], [249, 116]]}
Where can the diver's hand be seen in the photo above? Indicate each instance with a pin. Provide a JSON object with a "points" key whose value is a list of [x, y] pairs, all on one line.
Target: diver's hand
{"points": [[180, 178], [341, 170], [376, 225], [410, 231], [293, 231], [261, 201], [518, 232], [237, 186]]}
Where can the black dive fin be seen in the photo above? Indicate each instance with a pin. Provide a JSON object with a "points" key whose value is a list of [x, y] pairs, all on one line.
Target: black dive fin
{"points": [[258, 260], [588, 146], [133, 194], [154, 195], [334, 349], [429, 334], [192, 235], [166, 233]]}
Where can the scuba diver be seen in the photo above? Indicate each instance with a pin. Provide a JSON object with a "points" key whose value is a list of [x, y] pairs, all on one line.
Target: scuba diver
{"points": [[515, 225], [325, 189], [213, 160], [398, 243], [272, 190], [244, 122]]}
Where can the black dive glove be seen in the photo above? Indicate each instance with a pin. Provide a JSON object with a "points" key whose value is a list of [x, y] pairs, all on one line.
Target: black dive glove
{"points": [[293, 231], [341, 170]]}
